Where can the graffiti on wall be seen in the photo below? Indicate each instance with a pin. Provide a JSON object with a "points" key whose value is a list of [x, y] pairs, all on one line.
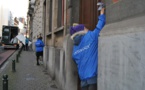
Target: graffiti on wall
{"points": [[114, 1]]}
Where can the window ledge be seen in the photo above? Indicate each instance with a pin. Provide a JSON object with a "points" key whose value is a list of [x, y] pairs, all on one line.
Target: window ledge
{"points": [[49, 34], [59, 29]]}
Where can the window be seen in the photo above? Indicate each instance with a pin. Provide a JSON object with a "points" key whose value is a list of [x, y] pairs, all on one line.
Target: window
{"points": [[50, 17], [6, 30], [6, 37], [60, 14]]}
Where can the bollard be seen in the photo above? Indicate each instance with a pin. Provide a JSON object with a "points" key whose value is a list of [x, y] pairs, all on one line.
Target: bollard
{"points": [[17, 58], [5, 82], [13, 66], [21, 49], [19, 52]]}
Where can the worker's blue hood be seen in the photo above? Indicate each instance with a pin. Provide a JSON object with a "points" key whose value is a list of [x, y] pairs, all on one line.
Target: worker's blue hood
{"points": [[77, 39]]}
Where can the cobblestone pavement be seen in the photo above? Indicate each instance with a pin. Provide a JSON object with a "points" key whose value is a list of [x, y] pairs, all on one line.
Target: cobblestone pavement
{"points": [[28, 75]]}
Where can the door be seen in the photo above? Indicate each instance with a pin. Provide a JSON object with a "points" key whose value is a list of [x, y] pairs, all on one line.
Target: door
{"points": [[88, 17], [89, 13]]}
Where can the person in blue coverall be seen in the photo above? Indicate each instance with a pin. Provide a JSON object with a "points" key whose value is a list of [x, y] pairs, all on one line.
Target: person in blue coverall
{"points": [[39, 48], [26, 43], [85, 52]]}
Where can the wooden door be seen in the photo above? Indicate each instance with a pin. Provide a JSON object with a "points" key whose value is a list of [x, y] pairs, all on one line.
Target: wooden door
{"points": [[89, 13], [88, 17]]}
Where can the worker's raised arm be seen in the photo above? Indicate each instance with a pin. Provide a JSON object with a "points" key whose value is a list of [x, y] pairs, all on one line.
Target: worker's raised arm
{"points": [[101, 21], [100, 24]]}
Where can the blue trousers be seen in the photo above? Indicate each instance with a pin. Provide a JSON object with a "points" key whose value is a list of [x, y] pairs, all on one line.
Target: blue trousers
{"points": [[89, 84]]}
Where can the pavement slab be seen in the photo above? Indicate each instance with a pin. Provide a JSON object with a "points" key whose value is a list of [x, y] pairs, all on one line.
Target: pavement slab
{"points": [[28, 75]]}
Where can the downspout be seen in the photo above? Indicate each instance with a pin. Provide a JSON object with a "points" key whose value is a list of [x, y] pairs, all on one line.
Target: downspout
{"points": [[65, 18], [70, 17]]}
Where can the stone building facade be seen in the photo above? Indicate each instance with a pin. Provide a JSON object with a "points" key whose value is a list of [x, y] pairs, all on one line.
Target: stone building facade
{"points": [[121, 42], [46, 19], [121, 46], [35, 19]]}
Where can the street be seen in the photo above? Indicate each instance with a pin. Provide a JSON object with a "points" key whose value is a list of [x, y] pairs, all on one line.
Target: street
{"points": [[4, 55], [1, 49]]}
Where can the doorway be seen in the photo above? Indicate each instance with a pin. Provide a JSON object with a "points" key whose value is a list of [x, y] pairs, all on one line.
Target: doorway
{"points": [[89, 17], [88, 13]]}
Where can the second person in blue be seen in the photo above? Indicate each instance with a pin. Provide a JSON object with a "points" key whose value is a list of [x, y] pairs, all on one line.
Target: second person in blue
{"points": [[39, 49]]}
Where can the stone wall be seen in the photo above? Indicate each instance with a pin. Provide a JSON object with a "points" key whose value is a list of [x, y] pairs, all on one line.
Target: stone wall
{"points": [[60, 65], [37, 20], [57, 56], [121, 47], [123, 9], [121, 55]]}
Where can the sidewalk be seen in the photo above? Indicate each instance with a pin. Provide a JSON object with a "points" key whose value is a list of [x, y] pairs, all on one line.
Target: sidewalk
{"points": [[28, 75]]}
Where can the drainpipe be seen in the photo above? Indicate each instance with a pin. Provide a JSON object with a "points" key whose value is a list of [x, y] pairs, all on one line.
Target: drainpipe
{"points": [[70, 11]]}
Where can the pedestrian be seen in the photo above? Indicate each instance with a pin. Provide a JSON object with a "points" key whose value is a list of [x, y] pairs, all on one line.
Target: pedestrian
{"points": [[22, 45], [39, 49], [85, 52], [26, 43], [30, 45]]}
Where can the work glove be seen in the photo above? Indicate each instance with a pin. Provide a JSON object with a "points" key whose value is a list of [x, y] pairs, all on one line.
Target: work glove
{"points": [[101, 5]]}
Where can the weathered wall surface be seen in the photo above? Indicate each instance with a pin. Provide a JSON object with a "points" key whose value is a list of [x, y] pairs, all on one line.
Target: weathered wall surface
{"points": [[37, 20], [123, 9], [121, 47], [121, 55], [61, 66]]}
